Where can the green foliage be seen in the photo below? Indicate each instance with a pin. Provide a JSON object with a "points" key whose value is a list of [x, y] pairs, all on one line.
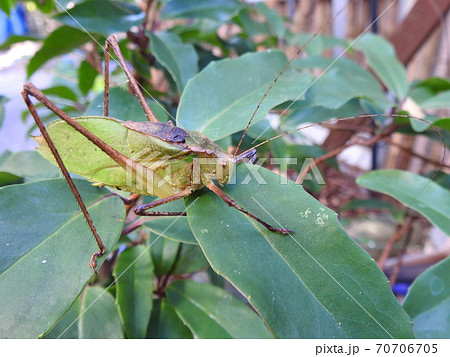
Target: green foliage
{"points": [[315, 283]]}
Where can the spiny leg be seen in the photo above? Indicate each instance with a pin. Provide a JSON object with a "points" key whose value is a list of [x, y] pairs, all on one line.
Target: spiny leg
{"points": [[141, 210], [62, 167], [111, 41], [230, 202]]}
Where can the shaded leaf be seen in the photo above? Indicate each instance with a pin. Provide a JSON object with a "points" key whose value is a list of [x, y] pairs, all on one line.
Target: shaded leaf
{"points": [[315, 283], [428, 302], [125, 106], [180, 59], [44, 265], [381, 57], [99, 317], [211, 312], [221, 99], [13, 39], [30, 165], [414, 191], [116, 16], [220, 10], [134, 289], [175, 228], [165, 323], [56, 44], [86, 77], [163, 252], [61, 91]]}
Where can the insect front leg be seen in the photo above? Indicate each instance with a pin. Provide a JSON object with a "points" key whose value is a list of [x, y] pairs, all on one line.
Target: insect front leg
{"points": [[142, 210], [27, 91], [111, 42], [230, 202]]}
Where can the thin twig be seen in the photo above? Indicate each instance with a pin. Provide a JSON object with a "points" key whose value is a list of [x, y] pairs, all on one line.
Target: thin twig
{"points": [[401, 230]]}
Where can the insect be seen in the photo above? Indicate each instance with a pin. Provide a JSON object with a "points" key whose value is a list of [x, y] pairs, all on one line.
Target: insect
{"points": [[177, 161]]}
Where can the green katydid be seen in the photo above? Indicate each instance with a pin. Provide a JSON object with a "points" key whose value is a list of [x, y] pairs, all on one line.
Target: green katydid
{"points": [[166, 168], [149, 158]]}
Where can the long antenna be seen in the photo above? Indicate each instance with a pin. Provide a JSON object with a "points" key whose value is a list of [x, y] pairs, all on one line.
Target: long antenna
{"points": [[297, 53], [438, 130]]}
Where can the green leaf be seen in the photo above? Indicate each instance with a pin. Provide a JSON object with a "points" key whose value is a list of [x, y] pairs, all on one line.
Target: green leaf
{"points": [[67, 327], [439, 101], [220, 10], [342, 81], [164, 253], [62, 92], [99, 317], [189, 260], [274, 21], [414, 191], [125, 106], [428, 302], [17, 39], [315, 283], [180, 59], [211, 312], [6, 5], [116, 16], [86, 77], [29, 165], [9, 179], [221, 99], [44, 264], [175, 228], [368, 204], [134, 284], [381, 57], [63, 40], [165, 323]]}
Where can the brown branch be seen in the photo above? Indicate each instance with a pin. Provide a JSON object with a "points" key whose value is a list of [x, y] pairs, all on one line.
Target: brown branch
{"points": [[396, 270], [388, 131], [402, 229]]}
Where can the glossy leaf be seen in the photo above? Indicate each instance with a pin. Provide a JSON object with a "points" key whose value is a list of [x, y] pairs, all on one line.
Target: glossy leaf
{"points": [[163, 252], [165, 323], [221, 99], [30, 165], [190, 260], [56, 44], [125, 106], [134, 294], [99, 317], [381, 57], [116, 16], [414, 191], [175, 228], [211, 312], [180, 59], [220, 10], [54, 247], [86, 77], [315, 283], [342, 81], [428, 302]]}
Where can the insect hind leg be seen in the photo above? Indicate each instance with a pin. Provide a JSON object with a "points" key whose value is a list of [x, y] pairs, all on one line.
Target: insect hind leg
{"points": [[230, 202], [143, 209], [29, 89]]}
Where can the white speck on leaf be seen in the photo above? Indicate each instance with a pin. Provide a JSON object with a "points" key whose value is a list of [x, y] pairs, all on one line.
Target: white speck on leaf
{"points": [[44, 261]]}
